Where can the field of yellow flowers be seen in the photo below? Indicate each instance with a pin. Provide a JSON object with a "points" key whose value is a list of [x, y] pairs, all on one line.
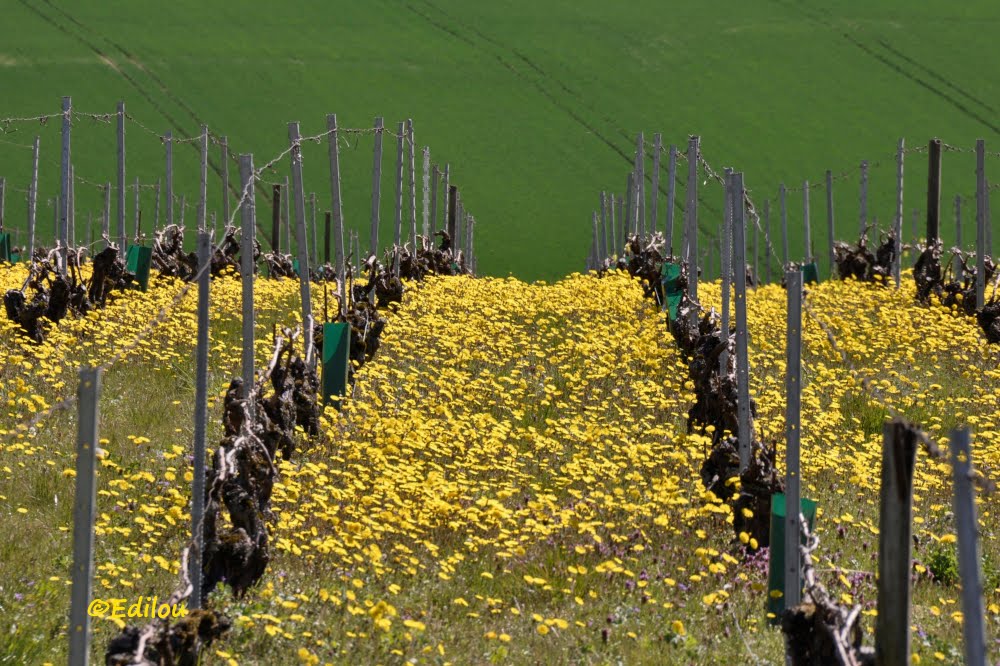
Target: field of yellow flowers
{"points": [[512, 481]]}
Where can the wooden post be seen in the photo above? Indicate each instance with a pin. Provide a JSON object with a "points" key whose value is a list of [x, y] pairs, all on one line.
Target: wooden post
{"points": [[933, 191], [691, 213], [434, 203], [448, 202], [756, 255], [793, 402], [603, 252], [168, 143], [725, 239], [969, 560], [136, 204], [450, 210], [898, 226], [200, 419], [400, 139], [88, 420], [640, 186], [767, 238], [156, 208], [473, 262], [203, 184], [892, 625], [989, 226], [226, 212], [336, 208], [614, 228], [622, 227], [120, 210], [425, 227], [338, 240], [67, 124], [980, 223], [33, 199], [301, 243], [671, 192], [413, 184], [864, 196], [959, 271], [106, 220], [830, 232], [596, 246], [71, 210], [288, 218], [376, 186], [745, 436], [629, 206], [314, 245], [248, 231], [276, 218], [326, 239], [805, 217], [784, 224], [459, 221], [657, 149]]}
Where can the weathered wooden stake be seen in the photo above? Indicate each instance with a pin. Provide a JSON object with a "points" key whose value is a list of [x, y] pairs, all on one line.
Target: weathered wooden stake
{"points": [[614, 229], [106, 220], [725, 240], [376, 186], [413, 184], [892, 625], [830, 232], [691, 226], [959, 270], [336, 209], [120, 210], [168, 144], [969, 560], [980, 223], [67, 125], [88, 400], [425, 227], [248, 231], [448, 202], [793, 401], [805, 219], [657, 149], [288, 218], [276, 218], [33, 199], [603, 252], [934, 191], [435, 174], [784, 224], [301, 243], [203, 183], [745, 437], [200, 419], [671, 192], [226, 211], [640, 186], [767, 238], [864, 196], [898, 226], [400, 139]]}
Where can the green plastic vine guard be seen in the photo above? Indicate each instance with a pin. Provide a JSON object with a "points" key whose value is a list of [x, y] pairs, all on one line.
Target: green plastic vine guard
{"points": [[672, 291], [336, 348], [137, 261], [776, 568], [810, 274], [5, 248]]}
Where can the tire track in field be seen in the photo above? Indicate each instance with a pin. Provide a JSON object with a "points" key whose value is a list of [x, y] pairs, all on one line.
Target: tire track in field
{"points": [[134, 83], [972, 98], [559, 104], [138, 64], [550, 78], [827, 22]]}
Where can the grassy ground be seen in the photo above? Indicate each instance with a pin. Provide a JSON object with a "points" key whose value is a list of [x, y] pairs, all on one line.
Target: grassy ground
{"points": [[512, 484], [535, 105]]}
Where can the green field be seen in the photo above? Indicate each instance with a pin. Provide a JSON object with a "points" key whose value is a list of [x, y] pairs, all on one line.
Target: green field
{"points": [[535, 105]]}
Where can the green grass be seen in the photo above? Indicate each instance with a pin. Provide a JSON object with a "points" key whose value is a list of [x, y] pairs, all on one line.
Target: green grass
{"points": [[535, 105]]}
